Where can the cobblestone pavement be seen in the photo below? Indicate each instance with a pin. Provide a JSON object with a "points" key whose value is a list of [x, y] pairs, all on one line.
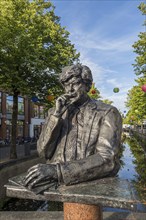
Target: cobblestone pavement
{"points": [[57, 215]]}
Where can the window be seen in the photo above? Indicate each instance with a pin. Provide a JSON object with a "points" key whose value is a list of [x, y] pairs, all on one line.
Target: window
{"points": [[36, 111], [42, 112], [9, 104], [20, 128], [20, 106], [39, 111]]}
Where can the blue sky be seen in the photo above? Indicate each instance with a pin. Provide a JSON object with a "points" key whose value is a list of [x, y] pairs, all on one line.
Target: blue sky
{"points": [[103, 32]]}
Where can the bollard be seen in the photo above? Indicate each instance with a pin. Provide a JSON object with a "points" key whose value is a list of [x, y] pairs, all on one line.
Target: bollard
{"points": [[77, 211]]}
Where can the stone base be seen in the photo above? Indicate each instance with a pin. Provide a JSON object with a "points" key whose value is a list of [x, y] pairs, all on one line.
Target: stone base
{"points": [[76, 211]]}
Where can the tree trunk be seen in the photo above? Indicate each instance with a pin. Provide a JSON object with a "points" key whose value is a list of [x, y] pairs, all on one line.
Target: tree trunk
{"points": [[13, 153]]}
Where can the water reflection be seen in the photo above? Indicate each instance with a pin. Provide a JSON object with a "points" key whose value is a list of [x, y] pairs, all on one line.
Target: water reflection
{"points": [[127, 170], [134, 166]]}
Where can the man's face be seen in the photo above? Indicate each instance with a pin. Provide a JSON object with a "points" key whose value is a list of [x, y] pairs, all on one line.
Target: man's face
{"points": [[75, 87]]}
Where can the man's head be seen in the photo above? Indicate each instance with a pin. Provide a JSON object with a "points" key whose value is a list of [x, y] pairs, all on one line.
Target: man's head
{"points": [[76, 74]]}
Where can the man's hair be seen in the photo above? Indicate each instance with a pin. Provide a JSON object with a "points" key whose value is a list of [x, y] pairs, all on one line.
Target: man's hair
{"points": [[77, 70]]}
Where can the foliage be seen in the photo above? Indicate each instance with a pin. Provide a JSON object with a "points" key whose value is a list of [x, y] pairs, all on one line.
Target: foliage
{"points": [[140, 166], [94, 92], [140, 48], [33, 49], [49, 96], [136, 99], [33, 45]]}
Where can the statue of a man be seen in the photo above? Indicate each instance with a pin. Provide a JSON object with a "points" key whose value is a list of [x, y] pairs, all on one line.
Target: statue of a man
{"points": [[80, 138]]}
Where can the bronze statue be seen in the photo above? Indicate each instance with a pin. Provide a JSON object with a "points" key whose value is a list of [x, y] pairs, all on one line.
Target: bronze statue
{"points": [[80, 138]]}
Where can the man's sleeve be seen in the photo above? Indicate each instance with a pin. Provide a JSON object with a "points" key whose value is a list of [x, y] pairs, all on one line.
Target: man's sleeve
{"points": [[49, 135], [109, 139]]}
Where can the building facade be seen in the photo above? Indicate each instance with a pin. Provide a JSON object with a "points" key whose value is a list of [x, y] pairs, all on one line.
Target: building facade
{"points": [[30, 117]]}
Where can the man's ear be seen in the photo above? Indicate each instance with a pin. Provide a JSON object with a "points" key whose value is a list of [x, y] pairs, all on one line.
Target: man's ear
{"points": [[88, 87]]}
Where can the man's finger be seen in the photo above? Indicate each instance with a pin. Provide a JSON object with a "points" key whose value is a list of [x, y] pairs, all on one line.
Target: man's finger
{"points": [[32, 184], [33, 168], [30, 178], [30, 173]]}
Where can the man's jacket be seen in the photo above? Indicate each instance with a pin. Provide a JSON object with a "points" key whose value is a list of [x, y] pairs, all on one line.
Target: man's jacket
{"points": [[100, 143]]}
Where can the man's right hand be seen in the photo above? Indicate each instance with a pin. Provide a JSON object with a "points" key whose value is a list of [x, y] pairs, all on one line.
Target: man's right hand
{"points": [[62, 104]]}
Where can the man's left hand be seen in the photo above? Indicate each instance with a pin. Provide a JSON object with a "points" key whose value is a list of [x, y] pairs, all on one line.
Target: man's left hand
{"points": [[40, 172]]}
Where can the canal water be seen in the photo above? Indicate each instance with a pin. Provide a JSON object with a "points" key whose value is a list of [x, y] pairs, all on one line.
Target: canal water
{"points": [[133, 168]]}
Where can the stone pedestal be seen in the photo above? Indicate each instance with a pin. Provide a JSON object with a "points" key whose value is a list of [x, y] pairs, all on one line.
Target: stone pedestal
{"points": [[77, 211], [84, 198]]}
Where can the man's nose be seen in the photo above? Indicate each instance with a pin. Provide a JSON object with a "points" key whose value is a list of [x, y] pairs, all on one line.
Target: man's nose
{"points": [[71, 88]]}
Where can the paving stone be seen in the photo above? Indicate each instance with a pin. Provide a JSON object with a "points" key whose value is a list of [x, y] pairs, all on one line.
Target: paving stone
{"points": [[58, 215]]}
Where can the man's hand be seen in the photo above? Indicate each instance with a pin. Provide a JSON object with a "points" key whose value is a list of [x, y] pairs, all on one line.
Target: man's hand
{"points": [[64, 101], [62, 104], [40, 172]]}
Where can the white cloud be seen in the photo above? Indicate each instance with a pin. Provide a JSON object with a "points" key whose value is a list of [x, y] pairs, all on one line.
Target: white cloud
{"points": [[95, 40], [100, 74], [104, 63], [119, 101], [114, 82], [105, 44], [102, 82]]}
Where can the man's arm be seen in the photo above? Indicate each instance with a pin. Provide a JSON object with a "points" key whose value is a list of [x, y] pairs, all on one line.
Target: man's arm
{"points": [[46, 144]]}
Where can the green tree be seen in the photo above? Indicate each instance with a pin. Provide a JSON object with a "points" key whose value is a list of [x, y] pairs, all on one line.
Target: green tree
{"points": [[33, 49], [140, 47], [136, 99], [136, 102]]}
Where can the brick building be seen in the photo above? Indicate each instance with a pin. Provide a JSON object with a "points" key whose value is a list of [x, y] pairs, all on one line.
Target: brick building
{"points": [[30, 117]]}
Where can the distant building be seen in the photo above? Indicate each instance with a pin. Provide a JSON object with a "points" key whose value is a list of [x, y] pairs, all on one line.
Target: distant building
{"points": [[30, 117]]}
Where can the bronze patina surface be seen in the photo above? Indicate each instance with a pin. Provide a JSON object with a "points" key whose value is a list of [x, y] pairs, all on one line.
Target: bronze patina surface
{"points": [[81, 137]]}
